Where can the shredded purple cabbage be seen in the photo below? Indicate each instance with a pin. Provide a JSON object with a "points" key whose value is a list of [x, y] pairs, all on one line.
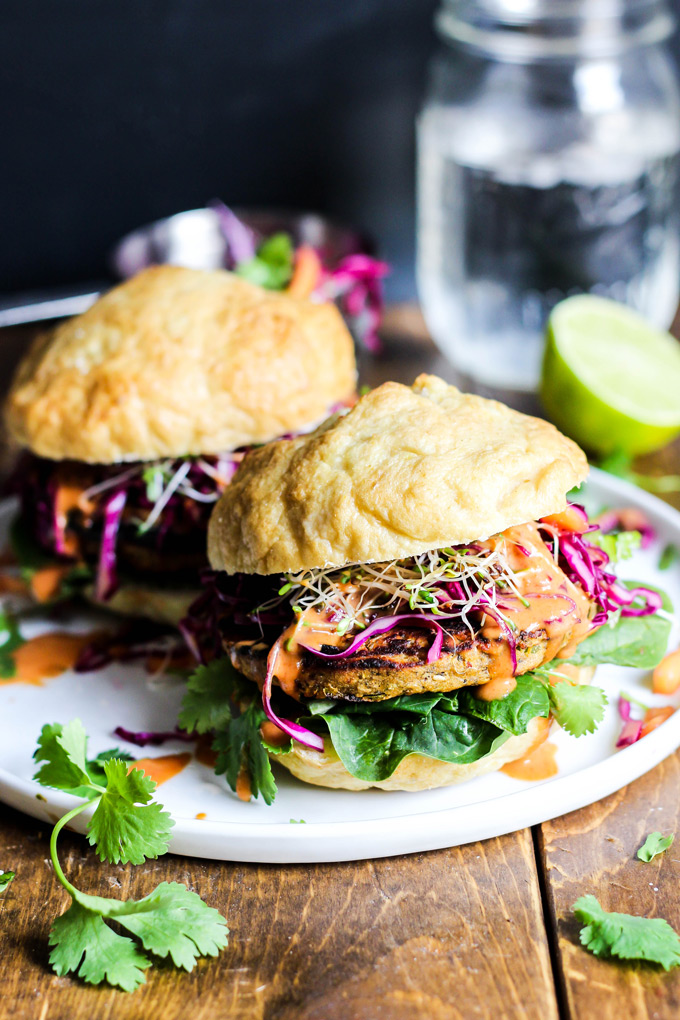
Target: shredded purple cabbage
{"points": [[142, 738], [585, 563], [294, 730], [627, 520], [107, 581], [631, 731], [381, 625], [116, 504], [356, 285], [241, 240]]}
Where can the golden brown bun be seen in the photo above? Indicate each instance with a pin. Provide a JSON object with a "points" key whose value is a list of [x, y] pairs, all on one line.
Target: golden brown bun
{"points": [[164, 605], [415, 772], [406, 470], [180, 361]]}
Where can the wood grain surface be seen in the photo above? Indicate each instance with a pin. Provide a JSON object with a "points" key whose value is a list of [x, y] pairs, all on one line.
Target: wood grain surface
{"points": [[594, 851], [448, 935], [473, 932]]}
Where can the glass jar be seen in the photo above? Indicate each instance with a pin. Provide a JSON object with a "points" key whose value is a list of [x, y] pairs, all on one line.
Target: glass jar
{"points": [[548, 152]]}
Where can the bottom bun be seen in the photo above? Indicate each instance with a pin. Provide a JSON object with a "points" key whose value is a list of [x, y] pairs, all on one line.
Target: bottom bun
{"points": [[164, 605], [415, 772]]}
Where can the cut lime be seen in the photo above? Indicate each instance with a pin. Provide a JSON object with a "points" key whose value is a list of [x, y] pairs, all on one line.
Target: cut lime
{"points": [[610, 380]]}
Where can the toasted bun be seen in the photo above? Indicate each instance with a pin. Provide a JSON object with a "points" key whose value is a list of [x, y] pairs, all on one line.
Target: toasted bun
{"points": [[164, 605], [415, 772], [180, 361], [406, 470]]}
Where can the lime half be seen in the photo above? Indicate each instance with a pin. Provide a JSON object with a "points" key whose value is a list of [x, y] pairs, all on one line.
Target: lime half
{"points": [[610, 380]]}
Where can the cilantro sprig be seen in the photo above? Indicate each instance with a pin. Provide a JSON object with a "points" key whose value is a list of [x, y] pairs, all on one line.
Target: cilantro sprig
{"points": [[126, 827], [626, 936], [220, 701], [578, 708]]}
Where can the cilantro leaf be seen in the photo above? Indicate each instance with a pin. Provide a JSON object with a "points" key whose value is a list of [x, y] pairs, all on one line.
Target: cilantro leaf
{"points": [[206, 706], [5, 878], [272, 266], [125, 828], [84, 944], [173, 921], [63, 749], [578, 708], [625, 936], [654, 845], [239, 746], [95, 766], [211, 705]]}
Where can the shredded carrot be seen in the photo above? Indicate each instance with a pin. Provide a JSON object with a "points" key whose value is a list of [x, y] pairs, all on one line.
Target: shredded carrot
{"points": [[306, 272], [654, 717], [243, 789], [45, 583]]}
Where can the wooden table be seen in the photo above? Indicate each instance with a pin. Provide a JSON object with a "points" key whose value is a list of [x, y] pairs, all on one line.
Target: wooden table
{"points": [[481, 931]]}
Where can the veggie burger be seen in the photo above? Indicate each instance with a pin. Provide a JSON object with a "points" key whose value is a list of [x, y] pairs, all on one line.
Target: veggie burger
{"points": [[406, 587], [136, 414]]}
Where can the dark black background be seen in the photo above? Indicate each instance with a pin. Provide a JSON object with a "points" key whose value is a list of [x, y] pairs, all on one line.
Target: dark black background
{"points": [[116, 113]]}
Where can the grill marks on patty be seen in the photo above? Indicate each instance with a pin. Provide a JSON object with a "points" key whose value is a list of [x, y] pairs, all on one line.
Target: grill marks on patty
{"points": [[395, 663]]}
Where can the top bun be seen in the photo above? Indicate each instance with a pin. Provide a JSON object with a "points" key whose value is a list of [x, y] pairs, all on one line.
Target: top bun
{"points": [[408, 469], [180, 361]]}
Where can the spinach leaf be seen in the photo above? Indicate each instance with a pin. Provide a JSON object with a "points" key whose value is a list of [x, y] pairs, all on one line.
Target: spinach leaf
{"points": [[371, 739], [632, 641], [515, 711], [372, 746]]}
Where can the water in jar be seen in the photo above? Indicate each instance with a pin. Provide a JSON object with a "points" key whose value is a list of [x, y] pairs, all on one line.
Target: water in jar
{"points": [[504, 234]]}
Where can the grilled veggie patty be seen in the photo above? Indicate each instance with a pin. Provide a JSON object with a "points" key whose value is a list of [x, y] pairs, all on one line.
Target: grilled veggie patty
{"points": [[395, 663]]}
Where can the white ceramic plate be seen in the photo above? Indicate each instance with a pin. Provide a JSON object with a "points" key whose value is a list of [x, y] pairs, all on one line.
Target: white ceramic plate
{"points": [[338, 825]]}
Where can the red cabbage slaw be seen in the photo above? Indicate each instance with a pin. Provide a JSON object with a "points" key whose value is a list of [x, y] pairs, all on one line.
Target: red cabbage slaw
{"points": [[356, 285], [584, 563], [627, 519], [107, 581], [142, 738], [631, 731], [161, 498], [293, 729]]}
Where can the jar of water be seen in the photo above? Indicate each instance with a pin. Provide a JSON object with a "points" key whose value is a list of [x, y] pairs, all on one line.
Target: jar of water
{"points": [[549, 162]]}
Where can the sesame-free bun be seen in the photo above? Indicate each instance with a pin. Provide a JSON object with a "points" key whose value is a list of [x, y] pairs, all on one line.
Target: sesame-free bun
{"points": [[416, 772], [180, 361], [408, 469]]}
